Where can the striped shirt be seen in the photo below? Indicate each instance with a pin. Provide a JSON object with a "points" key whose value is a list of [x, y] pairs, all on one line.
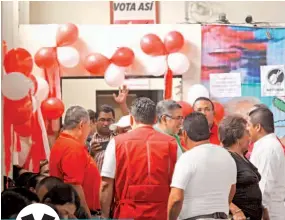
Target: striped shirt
{"points": [[99, 155]]}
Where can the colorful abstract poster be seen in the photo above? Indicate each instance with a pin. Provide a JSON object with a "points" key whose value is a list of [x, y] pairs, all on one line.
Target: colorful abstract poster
{"points": [[241, 49]]}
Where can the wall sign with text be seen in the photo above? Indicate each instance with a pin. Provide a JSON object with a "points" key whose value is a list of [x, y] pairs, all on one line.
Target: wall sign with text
{"points": [[134, 12]]}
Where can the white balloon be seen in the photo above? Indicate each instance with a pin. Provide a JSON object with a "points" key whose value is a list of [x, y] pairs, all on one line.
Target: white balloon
{"points": [[115, 75], [196, 91], [156, 66], [178, 63], [16, 86], [67, 56], [42, 90]]}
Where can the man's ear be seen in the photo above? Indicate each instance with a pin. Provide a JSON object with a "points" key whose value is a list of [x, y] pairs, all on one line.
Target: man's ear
{"points": [[132, 120], [258, 127], [163, 118]]}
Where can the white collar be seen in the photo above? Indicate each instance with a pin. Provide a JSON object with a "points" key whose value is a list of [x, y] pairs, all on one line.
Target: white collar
{"points": [[264, 138]]}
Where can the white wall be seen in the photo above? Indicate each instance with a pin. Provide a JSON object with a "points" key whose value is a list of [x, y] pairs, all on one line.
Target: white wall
{"points": [[98, 12]]}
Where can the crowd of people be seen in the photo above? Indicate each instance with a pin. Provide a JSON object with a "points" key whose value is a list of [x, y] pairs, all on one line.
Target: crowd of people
{"points": [[156, 163]]}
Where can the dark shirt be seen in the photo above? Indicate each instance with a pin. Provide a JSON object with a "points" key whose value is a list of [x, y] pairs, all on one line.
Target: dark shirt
{"points": [[248, 195]]}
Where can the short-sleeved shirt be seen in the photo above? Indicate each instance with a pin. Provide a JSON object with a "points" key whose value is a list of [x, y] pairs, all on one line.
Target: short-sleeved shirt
{"points": [[70, 161], [206, 174], [214, 135]]}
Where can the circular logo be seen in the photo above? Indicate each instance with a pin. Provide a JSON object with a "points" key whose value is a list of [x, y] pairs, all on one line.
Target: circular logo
{"points": [[275, 76], [37, 211]]}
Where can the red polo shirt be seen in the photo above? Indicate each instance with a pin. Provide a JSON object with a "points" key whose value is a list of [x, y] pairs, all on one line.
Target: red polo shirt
{"points": [[70, 161], [214, 136]]}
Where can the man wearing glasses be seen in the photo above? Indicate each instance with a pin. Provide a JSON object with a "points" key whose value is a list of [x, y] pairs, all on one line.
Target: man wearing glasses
{"points": [[101, 138], [206, 106], [170, 119]]}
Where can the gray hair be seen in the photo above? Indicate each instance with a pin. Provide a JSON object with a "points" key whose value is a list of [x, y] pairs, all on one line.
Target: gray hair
{"points": [[74, 115], [165, 107]]}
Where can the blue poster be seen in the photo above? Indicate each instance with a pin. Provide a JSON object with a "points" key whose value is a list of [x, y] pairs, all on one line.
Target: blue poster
{"points": [[227, 49]]}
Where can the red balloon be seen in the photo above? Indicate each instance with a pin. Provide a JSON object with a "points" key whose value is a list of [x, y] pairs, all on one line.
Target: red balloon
{"points": [[123, 56], [186, 108], [66, 34], [173, 41], [20, 111], [46, 57], [24, 130], [52, 108], [219, 111], [18, 60], [96, 63], [152, 45]]}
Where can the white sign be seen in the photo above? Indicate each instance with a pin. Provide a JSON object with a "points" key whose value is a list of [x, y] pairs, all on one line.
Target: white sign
{"points": [[272, 79], [134, 12], [223, 85], [137, 84]]}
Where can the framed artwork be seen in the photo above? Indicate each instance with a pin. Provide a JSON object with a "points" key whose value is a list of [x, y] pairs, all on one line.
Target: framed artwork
{"points": [[134, 12]]}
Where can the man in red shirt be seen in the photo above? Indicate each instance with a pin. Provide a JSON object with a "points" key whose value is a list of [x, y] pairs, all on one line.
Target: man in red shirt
{"points": [[206, 106], [70, 161], [137, 169]]}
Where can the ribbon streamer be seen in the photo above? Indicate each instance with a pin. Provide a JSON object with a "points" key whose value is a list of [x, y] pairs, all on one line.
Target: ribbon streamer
{"points": [[168, 81]]}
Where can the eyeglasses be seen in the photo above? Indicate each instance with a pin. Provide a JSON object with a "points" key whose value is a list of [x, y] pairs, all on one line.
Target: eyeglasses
{"points": [[178, 118], [109, 120]]}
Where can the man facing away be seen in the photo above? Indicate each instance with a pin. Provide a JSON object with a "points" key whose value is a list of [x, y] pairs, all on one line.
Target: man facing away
{"points": [[206, 106], [138, 168], [170, 119], [71, 162], [268, 157], [203, 183]]}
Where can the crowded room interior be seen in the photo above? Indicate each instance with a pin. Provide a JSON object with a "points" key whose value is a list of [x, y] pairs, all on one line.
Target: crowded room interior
{"points": [[143, 110]]}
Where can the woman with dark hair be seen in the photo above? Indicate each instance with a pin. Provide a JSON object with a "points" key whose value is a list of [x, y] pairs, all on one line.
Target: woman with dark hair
{"points": [[23, 178], [247, 202], [33, 182], [64, 198]]}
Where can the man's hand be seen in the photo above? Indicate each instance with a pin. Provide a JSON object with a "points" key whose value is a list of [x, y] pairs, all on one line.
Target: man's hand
{"points": [[121, 98], [95, 147], [239, 216], [265, 215]]}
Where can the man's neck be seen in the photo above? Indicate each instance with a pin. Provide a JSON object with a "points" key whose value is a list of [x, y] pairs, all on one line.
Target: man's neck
{"points": [[261, 135], [75, 135], [141, 125], [163, 128], [195, 144], [104, 134]]}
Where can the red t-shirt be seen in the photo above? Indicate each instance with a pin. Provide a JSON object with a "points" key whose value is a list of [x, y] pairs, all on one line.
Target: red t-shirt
{"points": [[70, 161], [214, 136]]}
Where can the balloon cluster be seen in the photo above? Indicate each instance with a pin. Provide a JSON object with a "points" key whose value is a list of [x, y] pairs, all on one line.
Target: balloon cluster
{"points": [[25, 93], [165, 55]]}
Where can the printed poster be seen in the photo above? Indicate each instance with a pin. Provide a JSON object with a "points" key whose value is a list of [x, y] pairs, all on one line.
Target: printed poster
{"points": [[272, 79], [134, 12], [224, 85]]}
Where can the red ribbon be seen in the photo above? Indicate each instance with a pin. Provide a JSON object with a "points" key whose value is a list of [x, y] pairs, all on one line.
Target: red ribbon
{"points": [[7, 138], [37, 151], [168, 80]]}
